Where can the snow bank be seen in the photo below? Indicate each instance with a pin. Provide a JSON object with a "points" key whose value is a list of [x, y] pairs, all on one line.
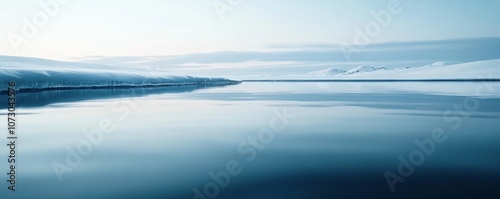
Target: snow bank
{"points": [[327, 72], [41, 74], [363, 69], [489, 69]]}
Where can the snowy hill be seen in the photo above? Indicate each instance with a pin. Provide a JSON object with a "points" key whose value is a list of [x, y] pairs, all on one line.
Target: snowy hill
{"points": [[363, 69], [327, 72], [489, 69], [334, 71], [39, 74]]}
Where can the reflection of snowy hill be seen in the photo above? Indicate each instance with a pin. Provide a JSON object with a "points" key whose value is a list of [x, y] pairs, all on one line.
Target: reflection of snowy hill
{"points": [[32, 73]]}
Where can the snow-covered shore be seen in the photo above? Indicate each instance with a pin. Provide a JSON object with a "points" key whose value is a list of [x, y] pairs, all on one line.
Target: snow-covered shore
{"points": [[42, 74]]}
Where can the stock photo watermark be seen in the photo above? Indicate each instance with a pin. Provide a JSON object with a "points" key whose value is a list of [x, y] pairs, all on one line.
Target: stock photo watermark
{"points": [[372, 29], [425, 148], [248, 149], [223, 7], [11, 135], [48, 9], [93, 138]]}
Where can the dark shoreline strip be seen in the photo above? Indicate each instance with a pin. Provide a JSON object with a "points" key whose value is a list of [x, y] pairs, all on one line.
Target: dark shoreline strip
{"points": [[376, 80], [28, 90]]}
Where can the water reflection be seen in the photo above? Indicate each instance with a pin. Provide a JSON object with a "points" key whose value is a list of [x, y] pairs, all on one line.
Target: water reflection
{"points": [[44, 98], [344, 138]]}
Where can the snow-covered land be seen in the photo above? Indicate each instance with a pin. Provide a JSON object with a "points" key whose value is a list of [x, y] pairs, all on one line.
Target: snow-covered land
{"points": [[489, 69], [40, 74], [327, 72], [363, 69]]}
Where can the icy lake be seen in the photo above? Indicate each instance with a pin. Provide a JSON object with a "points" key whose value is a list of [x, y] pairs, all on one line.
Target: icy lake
{"points": [[260, 140]]}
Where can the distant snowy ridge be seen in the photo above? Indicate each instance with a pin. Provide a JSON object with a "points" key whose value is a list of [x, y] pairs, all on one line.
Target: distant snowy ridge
{"points": [[334, 71], [363, 69], [488, 69], [327, 72], [367, 69], [40, 74]]}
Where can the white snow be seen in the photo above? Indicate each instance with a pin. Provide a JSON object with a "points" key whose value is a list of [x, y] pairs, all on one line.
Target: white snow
{"points": [[488, 69], [334, 71], [439, 63], [363, 69], [327, 72], [33, 73]]}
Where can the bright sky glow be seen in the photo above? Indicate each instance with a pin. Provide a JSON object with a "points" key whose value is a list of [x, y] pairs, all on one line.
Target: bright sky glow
{"points": [[83, 28]]}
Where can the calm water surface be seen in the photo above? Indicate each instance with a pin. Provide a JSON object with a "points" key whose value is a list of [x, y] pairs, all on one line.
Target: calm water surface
{"points": [[326, 140]]}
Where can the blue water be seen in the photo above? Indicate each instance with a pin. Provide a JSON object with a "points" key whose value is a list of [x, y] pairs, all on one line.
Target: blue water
{"points": [[317, 140]]}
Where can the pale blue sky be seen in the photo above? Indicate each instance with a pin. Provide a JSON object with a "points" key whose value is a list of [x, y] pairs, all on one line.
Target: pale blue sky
{"points": [[173, 27]]}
